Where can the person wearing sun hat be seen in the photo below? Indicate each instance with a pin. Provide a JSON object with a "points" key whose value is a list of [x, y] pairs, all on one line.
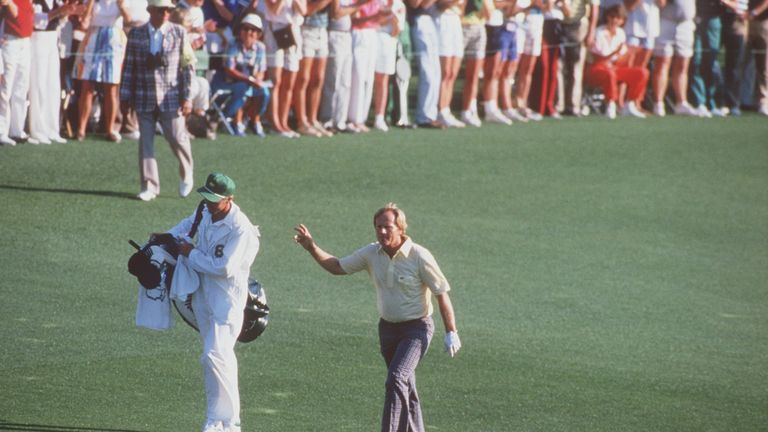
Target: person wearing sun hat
{"points": [[227, 244], [157, 73]]}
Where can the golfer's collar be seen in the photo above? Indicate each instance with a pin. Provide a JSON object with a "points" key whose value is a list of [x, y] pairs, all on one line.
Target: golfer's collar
{"points": [[405, 248]]}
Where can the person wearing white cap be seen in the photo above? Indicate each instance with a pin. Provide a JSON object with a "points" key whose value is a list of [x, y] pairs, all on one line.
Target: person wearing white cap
{"points": [[157, 72], [243, 72], [227, 244]]}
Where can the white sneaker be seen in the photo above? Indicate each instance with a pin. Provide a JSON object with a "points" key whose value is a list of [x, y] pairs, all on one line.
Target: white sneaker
{"points": [[703, 112], [57, 139], [658, 109], [5, 140], [232, 427], [452, 121], [763, 110], [38, 139], [610, 110], [719, 112], [531, 114], [685, 109], [470, 118], [213, 426], [495, 116], [630, 109], [515, 115], [258, 129], [185, 188], [381, 124], [146, 195]]}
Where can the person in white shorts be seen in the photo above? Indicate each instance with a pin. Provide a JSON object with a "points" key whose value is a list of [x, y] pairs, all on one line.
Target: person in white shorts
{"points": [[282, 63], [309, 84], [529, 36], [642, 29], [386, 59], [674, 47], [451, 53], [475, 42]]}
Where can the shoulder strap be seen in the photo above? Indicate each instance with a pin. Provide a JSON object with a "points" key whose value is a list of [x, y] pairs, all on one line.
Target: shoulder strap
{"points": [[198, 218]]}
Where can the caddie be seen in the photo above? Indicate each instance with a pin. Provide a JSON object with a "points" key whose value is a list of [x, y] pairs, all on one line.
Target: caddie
{"points": [[227, 244]]}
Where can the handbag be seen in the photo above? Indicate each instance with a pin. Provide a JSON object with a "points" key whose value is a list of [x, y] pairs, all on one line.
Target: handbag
{"points": [[284, 37]]}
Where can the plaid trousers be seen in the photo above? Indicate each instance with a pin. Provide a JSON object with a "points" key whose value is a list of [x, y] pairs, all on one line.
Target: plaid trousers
{"points": [[402, 346]]}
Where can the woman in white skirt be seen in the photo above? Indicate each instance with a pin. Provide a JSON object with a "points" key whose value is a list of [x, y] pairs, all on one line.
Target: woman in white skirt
{"points": [[283, 62], [45, 83], [100, 61], [451, 53]]}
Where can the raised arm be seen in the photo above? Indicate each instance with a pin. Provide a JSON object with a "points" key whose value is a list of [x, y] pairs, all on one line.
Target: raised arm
{"points": [[327, 261]]}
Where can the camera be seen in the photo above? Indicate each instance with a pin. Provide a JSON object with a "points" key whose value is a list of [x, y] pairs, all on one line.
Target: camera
{"points": [[155, 61]]}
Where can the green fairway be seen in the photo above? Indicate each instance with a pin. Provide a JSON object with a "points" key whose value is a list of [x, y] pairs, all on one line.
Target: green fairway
{"points": [[607, 276]]}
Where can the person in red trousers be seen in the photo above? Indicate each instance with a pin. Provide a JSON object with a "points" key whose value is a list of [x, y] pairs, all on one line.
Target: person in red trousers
{"points": [[609, 65]]}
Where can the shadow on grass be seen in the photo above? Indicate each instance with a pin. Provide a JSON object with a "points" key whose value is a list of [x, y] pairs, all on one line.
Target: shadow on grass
{"points": [[71, 191], [7, 426]]}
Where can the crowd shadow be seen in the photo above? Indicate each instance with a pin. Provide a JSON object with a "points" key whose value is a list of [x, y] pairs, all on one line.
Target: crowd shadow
{"points": [[30, 427], [102, 193]]}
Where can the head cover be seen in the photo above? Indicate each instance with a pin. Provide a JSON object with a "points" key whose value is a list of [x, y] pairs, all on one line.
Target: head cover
{"points": [[217, 187], [252, 20], [161, 4]]}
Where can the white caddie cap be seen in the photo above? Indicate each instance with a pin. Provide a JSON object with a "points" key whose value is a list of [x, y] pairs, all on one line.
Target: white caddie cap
{"points": [[161, 4], [252, 20]]}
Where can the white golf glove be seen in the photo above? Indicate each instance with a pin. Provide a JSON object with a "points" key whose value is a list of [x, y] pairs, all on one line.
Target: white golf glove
{"points": [[452, 343]]}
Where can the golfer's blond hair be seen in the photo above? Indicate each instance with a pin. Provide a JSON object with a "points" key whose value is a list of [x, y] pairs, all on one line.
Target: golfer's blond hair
{"points": [[399, 215]]}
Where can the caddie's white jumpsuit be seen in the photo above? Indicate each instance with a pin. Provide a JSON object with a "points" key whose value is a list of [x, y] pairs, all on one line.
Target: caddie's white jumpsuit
{"points": [[222, 257]]}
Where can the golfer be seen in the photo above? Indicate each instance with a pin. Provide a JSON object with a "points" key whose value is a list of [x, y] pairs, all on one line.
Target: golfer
{"points": [[405, 276]]}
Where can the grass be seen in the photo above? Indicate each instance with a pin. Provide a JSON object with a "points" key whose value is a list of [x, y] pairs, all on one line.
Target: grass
{"points": [[607, 276]]}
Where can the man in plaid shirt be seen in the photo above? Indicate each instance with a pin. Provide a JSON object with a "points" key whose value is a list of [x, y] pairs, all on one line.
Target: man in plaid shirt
{"points": [[156, 77]]}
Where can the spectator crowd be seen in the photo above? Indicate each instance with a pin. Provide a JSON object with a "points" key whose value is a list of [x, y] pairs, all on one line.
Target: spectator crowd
{"points": [[323, 67]]}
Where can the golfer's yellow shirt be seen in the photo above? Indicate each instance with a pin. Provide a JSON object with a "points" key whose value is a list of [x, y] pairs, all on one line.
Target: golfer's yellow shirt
{"points": [[404, 284]]}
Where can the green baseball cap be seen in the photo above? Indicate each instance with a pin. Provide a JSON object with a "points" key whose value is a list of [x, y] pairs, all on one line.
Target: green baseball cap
{"points": [[217, 187]]}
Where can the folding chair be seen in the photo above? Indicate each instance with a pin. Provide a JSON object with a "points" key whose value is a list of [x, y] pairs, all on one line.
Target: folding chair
{"points": [[218, 99], [592, 100]]}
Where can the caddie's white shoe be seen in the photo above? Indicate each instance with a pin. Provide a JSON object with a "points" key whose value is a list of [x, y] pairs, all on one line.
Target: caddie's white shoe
{"points": [[232, 427], [57, 139], [658, 109], [213, 426], [146, 195], [5, 140]]}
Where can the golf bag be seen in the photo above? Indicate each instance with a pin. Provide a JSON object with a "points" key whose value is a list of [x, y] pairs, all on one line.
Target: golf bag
{"points": [[154, 265]]}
